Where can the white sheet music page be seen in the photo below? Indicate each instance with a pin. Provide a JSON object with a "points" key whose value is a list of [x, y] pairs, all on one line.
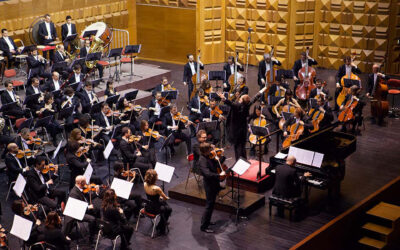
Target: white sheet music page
{"points": [[305, 156], [108, 149], [164, 172], [19, 185], [21, 227], [317, 161], [57, 149], [75, 208], [241, 166], [88, 173], [122, 188], [280, 155]]}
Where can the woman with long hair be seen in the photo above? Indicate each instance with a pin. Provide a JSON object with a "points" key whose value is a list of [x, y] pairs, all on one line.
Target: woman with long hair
{"points": [[52, 232]]}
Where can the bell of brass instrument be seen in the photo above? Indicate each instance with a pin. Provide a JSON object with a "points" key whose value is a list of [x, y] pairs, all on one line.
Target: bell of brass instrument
{"points": [[97, 46]]}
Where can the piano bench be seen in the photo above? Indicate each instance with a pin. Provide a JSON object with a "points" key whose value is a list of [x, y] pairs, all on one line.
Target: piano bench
{"points": [[290, 204]]}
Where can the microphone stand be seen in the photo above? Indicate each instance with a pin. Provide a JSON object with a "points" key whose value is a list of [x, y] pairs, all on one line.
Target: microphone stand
{"points": [[248, 50]]}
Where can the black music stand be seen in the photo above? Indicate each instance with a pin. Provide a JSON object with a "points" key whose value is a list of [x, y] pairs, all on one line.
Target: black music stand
{"points": [[31, 98], [96, 108], [79, 61], [76, 86], [216, 76], [93, 57], [207, 126], [65, 113], [348, 83], [170, 94], [131, 95], [60, 67], [89, 33], [261, 133], [168, 141], [111, 100], [42, 123], [56, 93], [70, 38], [7, 106], [116, 53], [95, 83], [133, 49]]}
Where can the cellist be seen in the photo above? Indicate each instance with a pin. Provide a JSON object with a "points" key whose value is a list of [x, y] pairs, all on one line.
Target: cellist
{"points": [[300, 64], [346, 69], [357, 111], [299, 117], [264, 67]]}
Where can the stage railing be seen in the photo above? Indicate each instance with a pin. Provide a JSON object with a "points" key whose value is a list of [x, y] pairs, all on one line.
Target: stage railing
{"points": [[120, 38]]}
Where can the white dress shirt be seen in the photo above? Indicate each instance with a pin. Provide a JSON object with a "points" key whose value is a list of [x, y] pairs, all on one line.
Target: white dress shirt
{"points": [[11, 93], [69, 29], [348, 69], [56, 85], [48, 30], [10, 45], [158, 109], [191, 64], [77, 77]]}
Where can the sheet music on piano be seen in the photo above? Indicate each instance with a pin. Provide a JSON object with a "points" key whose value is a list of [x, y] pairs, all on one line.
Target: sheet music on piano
{"points": [[306, 157]]}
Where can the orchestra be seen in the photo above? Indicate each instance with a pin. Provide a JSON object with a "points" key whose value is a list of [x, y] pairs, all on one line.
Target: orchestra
{"points": [[89, 121]]}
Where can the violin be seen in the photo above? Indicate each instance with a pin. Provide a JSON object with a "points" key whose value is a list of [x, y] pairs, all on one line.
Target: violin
{"points": [[317, 117], [82, 151], [204, 99], [89, 188], [217, 112], [216, 153], [28, 209], [296, 130], [347, 113], [37, 141], [25, 153], [345, 91], [3, 237], [152, 133], [95, 128], [113, 113], [129, 174], [182, 118], [134, 138], [50, 167], [168, 87], [163, 102], [306, 77], [87, 141]]}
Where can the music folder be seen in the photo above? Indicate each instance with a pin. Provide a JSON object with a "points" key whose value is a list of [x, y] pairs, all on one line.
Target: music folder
{"points": [[207, 126], [112, 99], [7, 106], [31, 98], [19, 185], [21, 227], [75, 208], [164, 172], [65, 113], [93, 56], [131, 95], [122, 188], [216, 75], [241, 166], [96, 108], [44, 122]]}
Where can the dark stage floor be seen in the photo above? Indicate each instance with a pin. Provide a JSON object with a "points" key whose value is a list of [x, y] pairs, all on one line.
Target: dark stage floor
{"points": [[373, 164]]}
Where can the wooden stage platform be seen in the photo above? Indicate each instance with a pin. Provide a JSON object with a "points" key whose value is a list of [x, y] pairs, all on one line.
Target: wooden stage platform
{"points": [[195, 194]]}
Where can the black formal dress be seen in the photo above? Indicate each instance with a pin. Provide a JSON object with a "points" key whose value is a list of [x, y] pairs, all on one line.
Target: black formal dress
{"points": [[158, 206], [55, 237], [118, 225]]}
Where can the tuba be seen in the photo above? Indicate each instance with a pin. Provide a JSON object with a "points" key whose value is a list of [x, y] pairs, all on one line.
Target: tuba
{"points": [[97, 46]]}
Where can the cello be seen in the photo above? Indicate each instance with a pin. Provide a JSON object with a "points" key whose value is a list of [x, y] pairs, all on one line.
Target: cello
{"points": [[317, 117], [347, 113], [198, 77], [345, 91], [379, 103], [306, 76], [296, 130], [260, 121]]}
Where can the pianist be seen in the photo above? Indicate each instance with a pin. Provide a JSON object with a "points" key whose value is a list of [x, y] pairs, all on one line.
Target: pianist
{"points": [[288, 181]]}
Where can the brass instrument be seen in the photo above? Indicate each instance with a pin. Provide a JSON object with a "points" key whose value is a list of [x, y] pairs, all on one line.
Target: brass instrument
{"points": [[97, 46]]}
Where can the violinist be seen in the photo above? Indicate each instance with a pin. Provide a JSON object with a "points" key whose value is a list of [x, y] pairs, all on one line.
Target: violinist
{"points": [[197, 105], [300, 64], [41, 188], [211, 178], [24, 139], [175, 127], [88, 98], [110, 89], [214, 113], [130, 116], [346, 69], [148, 140], [14, 165], [20, 208], [155, 109], [240, 89], [106, 119], [288, 100], [201, 137], [299, 117], [189, 70], [92, 212], [357, 110], [133, 152], [229, 69], [163, 86], [320, 90], [264, 67], [33, 89], [89, 131], [277, 91]]}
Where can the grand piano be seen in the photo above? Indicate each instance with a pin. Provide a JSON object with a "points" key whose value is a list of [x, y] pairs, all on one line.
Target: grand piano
{"points": [[336, 147]]}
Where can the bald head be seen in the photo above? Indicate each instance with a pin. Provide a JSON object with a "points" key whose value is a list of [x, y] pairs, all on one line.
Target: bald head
{"points": [[375, 67], [80, 181], [12, 147], [291, 160]]}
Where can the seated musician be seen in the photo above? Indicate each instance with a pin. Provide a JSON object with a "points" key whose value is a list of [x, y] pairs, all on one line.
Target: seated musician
{"points": [[319, 90], [357, 111], [213, 113], [14, 165], [92, 211], [287, 100], [53, 234], [374, 78], [76, 76], [33, 89], [258, 113], [49, 108], [22, 141], [9, 48], [322, 106], [20, 208], [106, 120], [277, 91], [201, 137], [229, 69], [89, 135], [60, 55], [163, 86], [115, 215], [110, 89], [68, 29], [346, 69], [288, 181], [69, 99], [54, 83], [88, 98], [148, 141], [48, 34], [132, 153], [9, 96], [83, 53], [298, 117], [175, 127], [197, 105], [300, 64], [36, 65], [264, 67], [157, 200], [40, 187], [154, 107], [130, 116]]}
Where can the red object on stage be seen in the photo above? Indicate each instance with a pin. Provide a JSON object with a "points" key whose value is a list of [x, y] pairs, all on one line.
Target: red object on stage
{"points": [[47, 48]]}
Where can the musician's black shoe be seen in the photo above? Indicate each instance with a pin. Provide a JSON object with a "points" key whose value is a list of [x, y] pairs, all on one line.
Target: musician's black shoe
{"points": [[207, 230]]}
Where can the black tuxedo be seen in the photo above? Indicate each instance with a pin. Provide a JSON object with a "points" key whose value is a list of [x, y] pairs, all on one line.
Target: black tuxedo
{"points": [[36, 68], [6, 50], [34, 104], [371, 83], [153, 118], [58, 57], [43, 33], [76, 165], [194, 104], [72, 79], [187, 76], [128, 153], [287, 182], [85, 101], [13, 169], [13, 110], [342, 72], [314, 92], [262, 70], [64, 30], [227, 69], [50, 85]]}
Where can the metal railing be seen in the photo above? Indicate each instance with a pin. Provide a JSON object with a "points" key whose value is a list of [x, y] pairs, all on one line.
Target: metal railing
{"points": [[120, 38]]}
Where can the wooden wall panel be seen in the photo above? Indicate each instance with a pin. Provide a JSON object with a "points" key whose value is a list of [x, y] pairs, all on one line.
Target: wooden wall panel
{"points": [[166, 33]]}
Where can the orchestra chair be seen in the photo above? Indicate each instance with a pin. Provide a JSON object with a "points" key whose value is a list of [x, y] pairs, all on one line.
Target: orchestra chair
{"points": [[43, 245], [394, 90], [195, 173], [153, 218], [12, 73], [107, 232], [125, 161], [290, 204], [9, 189]]}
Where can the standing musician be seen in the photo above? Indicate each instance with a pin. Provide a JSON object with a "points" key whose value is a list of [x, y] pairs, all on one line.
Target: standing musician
{"points": [[133, 152], [299, 117], [374, 78], [36, 65], [188, 71], [88, 98], [48, 34], [320, 90], [68, 29], [357, 110], [14, 165], [33, 89], [84, 52], [300, 64], [229, 69], [209, 170], [237, 123], [9, 96], [213, 113], [288, 100], [264, 67], [201, 137], [9, 48], [40, 186], [175, 125], [346, 69]]}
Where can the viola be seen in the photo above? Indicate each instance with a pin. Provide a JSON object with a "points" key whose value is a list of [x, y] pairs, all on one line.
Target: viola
{"points": [[113, 113], [89, 188], [25, 153], [216, 152], [306, 76], [37, 141], [347, 113], [296, 130], [51, 167], [164, 102], [129, 173], [182, 118], [81, 152], [152, 133], [217, 112], [317, 117]]}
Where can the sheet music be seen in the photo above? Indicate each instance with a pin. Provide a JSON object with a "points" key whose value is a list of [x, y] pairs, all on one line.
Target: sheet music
{"points": [[317, 161], [21, 227], [241, 166], [19, 185], [293, 151], [122, 188], [108, 150], [57, 149], [164, 172], [75, 208], [305, 156], [88, 173], [280, 155]]}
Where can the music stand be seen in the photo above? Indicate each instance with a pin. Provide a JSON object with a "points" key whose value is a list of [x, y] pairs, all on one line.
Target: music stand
{"points": [[164, 110], [42, 123], [131, 95], [70, 38], [165, 145], [240, 167], [261, 133], [60, 67], [116, 53], [170, 94], [93, 57], [26, 124], [207, 126], [96, 108], [348, 83], [31, 98], [76, 86], [65, 113], [95, 83], [79, 61], [216, 76], [89, 33], [133, 49], [7, 106], [111, 100]]}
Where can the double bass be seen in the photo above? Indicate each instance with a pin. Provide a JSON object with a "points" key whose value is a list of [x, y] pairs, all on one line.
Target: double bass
{"points": [[234, 77], [379, 103], [270, 75], [198, 77], [306, 76], [345, 91]]}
